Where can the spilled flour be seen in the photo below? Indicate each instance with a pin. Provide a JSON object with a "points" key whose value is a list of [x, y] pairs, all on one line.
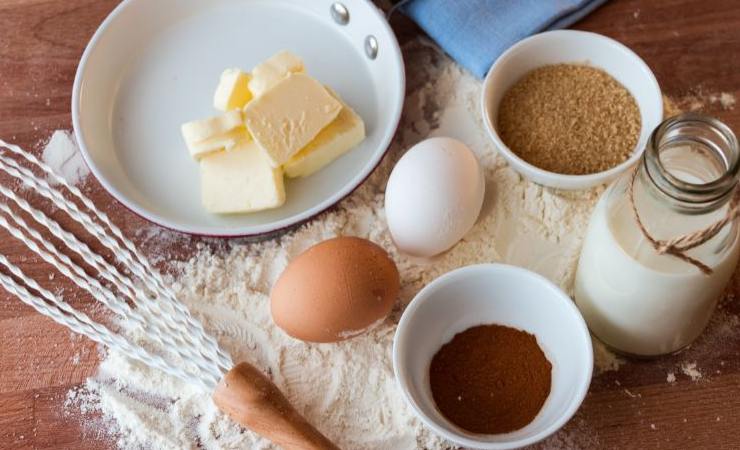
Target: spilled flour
{"points": [[689, 369], [62, 154], [347, 389]]}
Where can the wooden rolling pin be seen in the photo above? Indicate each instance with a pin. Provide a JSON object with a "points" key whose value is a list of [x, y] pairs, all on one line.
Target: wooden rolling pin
{"points": [[252, 400]]}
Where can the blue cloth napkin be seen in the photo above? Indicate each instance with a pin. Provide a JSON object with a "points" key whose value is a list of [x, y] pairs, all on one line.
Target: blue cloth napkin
{"points": [[476, 32]]}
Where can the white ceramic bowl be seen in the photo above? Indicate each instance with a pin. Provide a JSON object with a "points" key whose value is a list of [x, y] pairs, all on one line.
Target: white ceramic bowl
{"points": [[494, 294], [570, 46], [153, 65]]}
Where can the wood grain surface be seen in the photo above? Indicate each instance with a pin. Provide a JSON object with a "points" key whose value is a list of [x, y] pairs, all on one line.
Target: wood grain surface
{"points": [[692, 45]]}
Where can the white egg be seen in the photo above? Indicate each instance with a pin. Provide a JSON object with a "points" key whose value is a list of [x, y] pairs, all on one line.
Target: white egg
{"points": [[434, 196]]}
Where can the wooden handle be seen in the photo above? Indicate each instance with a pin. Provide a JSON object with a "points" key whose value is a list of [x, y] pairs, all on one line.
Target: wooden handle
{"points": [[252, 400]]}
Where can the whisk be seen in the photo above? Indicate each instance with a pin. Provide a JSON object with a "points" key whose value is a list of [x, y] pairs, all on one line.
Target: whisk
{"points": [[175, 342]]}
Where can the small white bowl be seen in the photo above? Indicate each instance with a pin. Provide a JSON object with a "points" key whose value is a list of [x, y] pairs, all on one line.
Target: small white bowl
{"points": [[494, 294], [579, 47]]}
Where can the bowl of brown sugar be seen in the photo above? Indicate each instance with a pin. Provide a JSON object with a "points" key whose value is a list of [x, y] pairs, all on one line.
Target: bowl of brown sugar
{"points": [[571, 109], [493, 357]]}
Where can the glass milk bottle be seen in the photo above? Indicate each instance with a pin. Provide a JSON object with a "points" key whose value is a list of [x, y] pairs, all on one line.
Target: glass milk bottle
{"points": [[645, 298]]}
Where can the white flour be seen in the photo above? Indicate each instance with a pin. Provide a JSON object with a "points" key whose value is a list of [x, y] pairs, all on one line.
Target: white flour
{"points": [[347, 390], [63, 156], [690, 370]]}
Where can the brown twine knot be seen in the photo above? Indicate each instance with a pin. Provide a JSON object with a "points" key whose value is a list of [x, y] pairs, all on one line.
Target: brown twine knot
{"points": [[678, 246]]}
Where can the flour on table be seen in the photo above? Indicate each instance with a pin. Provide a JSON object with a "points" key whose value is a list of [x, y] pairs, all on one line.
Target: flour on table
{"points": [[63, 155], [699, 100], [689, 369], [347, 389], [604, 360], [725, 99]]}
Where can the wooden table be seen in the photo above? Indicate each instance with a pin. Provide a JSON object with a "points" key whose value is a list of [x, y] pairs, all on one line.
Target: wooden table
{"points": [[694, 48]]}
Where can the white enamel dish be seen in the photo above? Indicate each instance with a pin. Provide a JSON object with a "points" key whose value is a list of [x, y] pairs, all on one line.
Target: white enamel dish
{"points": [[153, 65]]}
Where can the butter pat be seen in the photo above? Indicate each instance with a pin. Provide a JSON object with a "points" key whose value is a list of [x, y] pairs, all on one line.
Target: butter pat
{"points": [[232, 91], [213, 134], [339, 137], [271, 72], [289, 116], [223, 142], [241, 180], [200, 130]]}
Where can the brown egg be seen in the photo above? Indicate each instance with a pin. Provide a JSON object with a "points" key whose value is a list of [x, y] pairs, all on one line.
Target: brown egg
{"points": [[335, 290]]}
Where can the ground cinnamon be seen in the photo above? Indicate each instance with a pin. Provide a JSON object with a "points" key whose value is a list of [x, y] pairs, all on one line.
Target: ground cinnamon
{"points": [[490, 379]]}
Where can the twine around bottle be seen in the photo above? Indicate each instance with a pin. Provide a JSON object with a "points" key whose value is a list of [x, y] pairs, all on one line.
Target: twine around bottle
{"points": [[679, 246]]}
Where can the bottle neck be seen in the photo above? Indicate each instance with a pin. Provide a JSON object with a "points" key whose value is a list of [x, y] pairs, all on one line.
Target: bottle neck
{"points": [[692, 162]]}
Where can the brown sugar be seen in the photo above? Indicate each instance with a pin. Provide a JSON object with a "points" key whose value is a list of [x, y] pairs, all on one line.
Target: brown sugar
{"points": [[569, 119], [490, 379]]}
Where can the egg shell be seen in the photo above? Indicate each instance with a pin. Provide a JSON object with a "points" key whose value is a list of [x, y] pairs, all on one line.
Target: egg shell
{"points": [[335, 290], [434, 196]]}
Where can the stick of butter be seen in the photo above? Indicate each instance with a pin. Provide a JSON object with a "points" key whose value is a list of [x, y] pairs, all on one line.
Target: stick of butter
{"points": [[290, 115], [273, 70], [214, 134], [339, 137], [241, 180], [232, 91]]}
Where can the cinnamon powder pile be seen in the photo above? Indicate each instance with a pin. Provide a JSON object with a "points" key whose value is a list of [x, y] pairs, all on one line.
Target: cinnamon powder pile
{"points": [[490, 379]]}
